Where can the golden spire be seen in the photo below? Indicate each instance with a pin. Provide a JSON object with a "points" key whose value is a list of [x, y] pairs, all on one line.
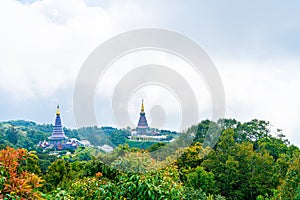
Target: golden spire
{"points": [[57, 110], [142, 107]]}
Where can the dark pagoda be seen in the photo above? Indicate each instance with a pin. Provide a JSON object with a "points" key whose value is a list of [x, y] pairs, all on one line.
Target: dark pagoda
{"points": [[58, 138], [142, 127]]}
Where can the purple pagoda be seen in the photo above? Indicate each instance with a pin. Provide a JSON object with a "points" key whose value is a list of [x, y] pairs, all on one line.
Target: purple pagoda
{"points": [[58, 138], [142, 127]]}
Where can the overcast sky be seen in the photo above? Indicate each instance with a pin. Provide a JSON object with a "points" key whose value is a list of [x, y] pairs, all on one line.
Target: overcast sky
{"points": [[254, 45]]}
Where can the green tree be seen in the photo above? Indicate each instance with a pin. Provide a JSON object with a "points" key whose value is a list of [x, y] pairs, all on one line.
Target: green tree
{"points": [[156, 146], [36, 136], [12, 135], [192, 156], [136, 162], [201, 179], [289, 189], [240, 171], [163, 184], [58, 174]]}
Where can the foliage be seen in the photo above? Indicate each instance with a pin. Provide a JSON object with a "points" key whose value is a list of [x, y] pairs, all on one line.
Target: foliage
{"points": [[136, 162], [140, 145], [163, 184], [201, 179], [92, 188], [104, 135], [16, 183], [156, 146], [192, 156], [249, 161], [289, 189], [58, 174], [241, 172]]}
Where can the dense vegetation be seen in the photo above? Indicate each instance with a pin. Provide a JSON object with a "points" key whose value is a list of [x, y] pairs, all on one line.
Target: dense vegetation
{"points": [[24, 134], [249, 161]]}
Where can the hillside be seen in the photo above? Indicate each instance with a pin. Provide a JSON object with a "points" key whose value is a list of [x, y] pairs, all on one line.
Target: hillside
{"points": [[249, 161], [27, 134]]}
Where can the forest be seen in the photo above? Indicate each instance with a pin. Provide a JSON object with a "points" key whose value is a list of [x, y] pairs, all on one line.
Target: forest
{"points": [[249, 160]]}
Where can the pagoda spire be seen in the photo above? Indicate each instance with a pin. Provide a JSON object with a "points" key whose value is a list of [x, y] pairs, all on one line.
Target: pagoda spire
{"points": [[57, 110], [142, 107]]}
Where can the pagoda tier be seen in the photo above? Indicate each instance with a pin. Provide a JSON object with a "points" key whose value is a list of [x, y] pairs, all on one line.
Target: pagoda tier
{"points": [[142, 121]]}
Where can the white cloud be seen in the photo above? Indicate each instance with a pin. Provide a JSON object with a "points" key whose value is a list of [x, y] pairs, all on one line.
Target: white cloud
{"points": [[43, 45], [265, 90], [157, 93]]}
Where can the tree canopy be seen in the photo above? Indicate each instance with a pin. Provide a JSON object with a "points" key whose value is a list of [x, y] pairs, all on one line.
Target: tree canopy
{"points": [[248, 161]]}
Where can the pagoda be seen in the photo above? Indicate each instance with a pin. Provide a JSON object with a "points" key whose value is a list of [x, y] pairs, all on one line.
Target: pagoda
{"points": [[142, 127], [58, 138]]}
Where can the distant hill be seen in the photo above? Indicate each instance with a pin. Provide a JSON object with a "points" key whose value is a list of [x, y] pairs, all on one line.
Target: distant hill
{"points": [[27, 134]]}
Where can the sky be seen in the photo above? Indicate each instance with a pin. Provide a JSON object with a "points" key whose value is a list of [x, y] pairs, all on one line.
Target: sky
{"points": [[254, 46]]}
